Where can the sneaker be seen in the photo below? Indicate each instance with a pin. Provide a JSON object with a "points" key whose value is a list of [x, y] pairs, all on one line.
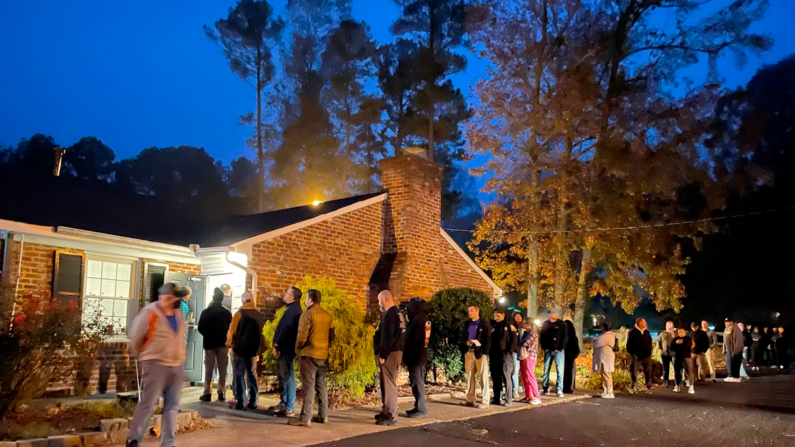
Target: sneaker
{"points": [[297, 422], [380, 416], [648, 390], [545, 393], [320, 420], [714, 381], [413, 410], [251, 406], [276, 408], [609, 396], [561, 395], [535, 402], [240, 406], [676, 389], [205, 397], [221, 397], [632, 390], [691, 390], [284, 413], [416, 414], [131, 443], [483, 406], [389, 422], [747, 378], [508, 404]]}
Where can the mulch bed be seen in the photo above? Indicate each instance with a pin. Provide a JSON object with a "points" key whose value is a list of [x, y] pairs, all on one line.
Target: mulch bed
{"points": [[27, 423]]}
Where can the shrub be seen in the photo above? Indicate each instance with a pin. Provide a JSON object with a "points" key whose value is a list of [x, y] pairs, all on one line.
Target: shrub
{"points": [[448, 313], [351, 358], [40, 342]]}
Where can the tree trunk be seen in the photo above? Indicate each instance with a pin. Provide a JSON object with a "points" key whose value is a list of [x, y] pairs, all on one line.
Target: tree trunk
{"points": [[582, 294], [431, 83], [260, 153], [532, 271]]}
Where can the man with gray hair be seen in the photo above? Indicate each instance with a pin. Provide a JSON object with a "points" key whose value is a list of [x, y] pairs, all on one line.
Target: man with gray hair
{"points": [[388, 348]]}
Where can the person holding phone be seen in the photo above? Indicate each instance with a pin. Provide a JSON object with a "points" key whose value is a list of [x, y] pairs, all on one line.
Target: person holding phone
{"points": [[477, 333]]}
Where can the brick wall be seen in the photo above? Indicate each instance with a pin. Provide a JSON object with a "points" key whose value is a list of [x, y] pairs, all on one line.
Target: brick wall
{"points": [[111, 370], [458, 273], [191, 269], [346, 248], [35, 276]]}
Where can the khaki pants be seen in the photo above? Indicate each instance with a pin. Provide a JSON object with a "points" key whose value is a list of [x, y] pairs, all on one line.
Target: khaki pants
{"points": [[607, 380], [474, 367], [711, 362], [388, 372], [700, 366]]}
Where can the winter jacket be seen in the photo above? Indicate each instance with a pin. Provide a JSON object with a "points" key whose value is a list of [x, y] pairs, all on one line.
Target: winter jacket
{"points": [[418, 331], [389, 335], [152, 338], [732, 341], [503, 338], [782, 348], [701, 341], [572, 342], [482, 335], [287, 330], [713, 339], [682, 347], [553, 336], [664, 340], [315, 333], [639, 343], [747, 342], [245, 333], [214, 325], [527, 345], [603, 354]]}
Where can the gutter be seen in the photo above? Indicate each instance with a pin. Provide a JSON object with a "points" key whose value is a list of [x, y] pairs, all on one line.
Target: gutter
{"points": [[247, 270]]}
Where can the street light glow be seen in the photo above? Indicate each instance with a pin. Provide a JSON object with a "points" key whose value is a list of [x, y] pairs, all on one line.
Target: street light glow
{"points": [[316, 203]]}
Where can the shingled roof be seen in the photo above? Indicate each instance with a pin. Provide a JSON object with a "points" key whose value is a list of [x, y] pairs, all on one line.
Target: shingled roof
{"points": [[241, 228]]}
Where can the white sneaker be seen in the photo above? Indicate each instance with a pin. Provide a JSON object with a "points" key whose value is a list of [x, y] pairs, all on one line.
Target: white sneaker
{"points": [[535, 402], [561, 395], [691, 390], [609, 396], [729, 379], [747, 378], [676, 389]]}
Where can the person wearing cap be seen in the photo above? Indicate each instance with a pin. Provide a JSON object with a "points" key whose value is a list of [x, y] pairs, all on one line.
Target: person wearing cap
{"points": [[284, 351], [503, 345], [639, 347], [157, 341], [553, 339], [733, 350], [713, 344], [477, 333], [247, 343], [214, 325], [315, 335], [604, 359]]}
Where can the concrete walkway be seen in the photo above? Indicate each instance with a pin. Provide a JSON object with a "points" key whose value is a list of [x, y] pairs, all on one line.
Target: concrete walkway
{"points": [[256, 428]]}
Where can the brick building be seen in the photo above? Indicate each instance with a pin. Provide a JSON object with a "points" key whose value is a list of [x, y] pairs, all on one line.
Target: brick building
{"points": [[387, 240]]}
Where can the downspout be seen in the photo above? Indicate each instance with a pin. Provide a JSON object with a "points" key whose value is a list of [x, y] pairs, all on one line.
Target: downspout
{"points": [[247, 270]]}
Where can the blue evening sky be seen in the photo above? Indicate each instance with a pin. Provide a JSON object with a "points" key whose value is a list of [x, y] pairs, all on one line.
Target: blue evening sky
{"points": [[138, 74]]}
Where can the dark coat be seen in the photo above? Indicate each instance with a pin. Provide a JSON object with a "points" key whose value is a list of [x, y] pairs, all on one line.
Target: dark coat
{"points": [[247, 338], [702, 341], [503, 338], [482, 334], [553, 336], [572, 342], [415, 344], [682, 350], [389, 334], [214, 325], [287, 329], [639, 343]]}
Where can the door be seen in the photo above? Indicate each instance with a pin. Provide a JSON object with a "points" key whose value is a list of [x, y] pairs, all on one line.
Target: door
{"points": [[193, 350]]}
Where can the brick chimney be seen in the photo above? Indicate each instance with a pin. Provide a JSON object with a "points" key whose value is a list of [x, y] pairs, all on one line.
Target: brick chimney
{"points": [[412, 220]]}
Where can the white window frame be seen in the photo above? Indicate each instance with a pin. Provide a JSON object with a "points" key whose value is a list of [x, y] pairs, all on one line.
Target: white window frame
{"points": [[132, 299]]}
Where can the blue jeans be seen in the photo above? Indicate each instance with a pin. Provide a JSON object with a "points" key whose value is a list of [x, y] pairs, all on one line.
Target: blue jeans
{"points": [[742, 364], [515, 378], [285, 371], [158, 381], [245, 370], [559, 359]]}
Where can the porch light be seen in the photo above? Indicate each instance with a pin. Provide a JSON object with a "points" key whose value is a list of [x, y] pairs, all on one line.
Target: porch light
{"points": [[316, 203]]}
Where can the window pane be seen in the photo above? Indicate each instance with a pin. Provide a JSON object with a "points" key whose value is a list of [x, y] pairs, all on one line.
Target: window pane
{"points": [[106, 308], [123, 272], [108, 287], [120, 308], [90, 306], [122, 289], [94, 269], [108, 270], [93, 286]]}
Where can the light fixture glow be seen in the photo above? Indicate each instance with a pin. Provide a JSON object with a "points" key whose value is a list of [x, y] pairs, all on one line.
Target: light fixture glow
{"points": [[316, 203], [537, 322]]}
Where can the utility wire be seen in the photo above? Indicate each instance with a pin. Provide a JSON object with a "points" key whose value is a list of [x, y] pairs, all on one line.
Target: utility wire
{"points": [[640, 227]]}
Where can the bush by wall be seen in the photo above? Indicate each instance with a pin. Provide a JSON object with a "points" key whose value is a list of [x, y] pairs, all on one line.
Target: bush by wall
{"points": [[351, 358], [448, 313]]}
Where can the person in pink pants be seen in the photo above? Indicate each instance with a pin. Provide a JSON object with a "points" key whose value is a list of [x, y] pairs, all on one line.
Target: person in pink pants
{"points": [[527, 352]]}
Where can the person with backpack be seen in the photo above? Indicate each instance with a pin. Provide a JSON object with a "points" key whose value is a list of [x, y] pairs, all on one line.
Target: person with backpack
{"points": [[604, 359], [284, 351], [247, 343], [214, 325], [415, 353], [388, 347], [157, 341]]}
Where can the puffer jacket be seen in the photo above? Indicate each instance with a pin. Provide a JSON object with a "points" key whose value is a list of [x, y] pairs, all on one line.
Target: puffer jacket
{"points": [[151, 336]]}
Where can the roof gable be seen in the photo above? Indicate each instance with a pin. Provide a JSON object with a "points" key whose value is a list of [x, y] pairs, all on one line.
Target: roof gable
{"points": [[457, 248]]}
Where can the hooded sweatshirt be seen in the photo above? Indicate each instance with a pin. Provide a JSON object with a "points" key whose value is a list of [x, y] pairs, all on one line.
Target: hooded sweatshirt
{"points": [[415, 345], [732, 340], [152, 337]]}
